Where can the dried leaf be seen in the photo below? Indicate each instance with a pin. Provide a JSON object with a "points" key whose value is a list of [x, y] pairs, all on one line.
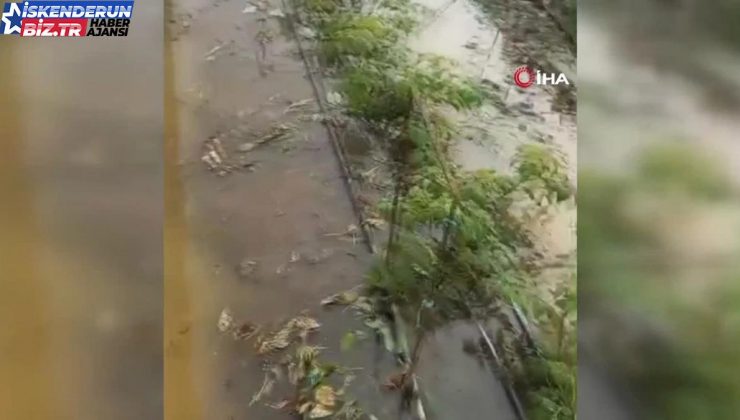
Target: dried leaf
{"points": [[307, 354], [325, 396], [303, 408], [279, 405], [225, 320], [374, 223], [300, 325], [319, 412], [303, 323], [277, 341], [343, 298]]}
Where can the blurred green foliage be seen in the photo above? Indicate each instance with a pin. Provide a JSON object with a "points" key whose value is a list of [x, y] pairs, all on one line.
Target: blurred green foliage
{"points": [[681, 355]]}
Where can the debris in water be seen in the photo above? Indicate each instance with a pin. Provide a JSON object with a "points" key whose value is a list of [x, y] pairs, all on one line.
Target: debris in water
{"points": [[267, 384], [396, 381], [319, 411], [298, 106], [247, 267], [295, 257], [385, 331], [280, 405], [246, 147], [325, 396], [320, 257], [281, 270], [344, 298], [303, 323], [307, 354], [211, 55], [306, 32], [276, 132], [334, 98], [215, 157], [276, 13], [277, 341], [298, 326], [225, 320], [245, 331], [350, 410], [351, 231], [374, 223]]}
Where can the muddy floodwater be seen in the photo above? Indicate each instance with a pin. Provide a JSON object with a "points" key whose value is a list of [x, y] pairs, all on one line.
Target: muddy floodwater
{"points": [[255, 218], [81, 225]]}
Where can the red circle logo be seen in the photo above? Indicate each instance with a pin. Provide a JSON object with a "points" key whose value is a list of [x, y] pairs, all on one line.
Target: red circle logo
{"points": [[524, 77]]}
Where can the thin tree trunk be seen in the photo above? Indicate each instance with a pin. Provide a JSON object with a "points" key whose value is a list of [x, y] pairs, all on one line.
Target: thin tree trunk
{"points": [[416, 351], [448, 225], [394, 221]]}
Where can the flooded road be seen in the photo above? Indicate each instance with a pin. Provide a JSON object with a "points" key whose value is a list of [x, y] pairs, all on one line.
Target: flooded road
{"points": [[259, 230], [81, 216], [255, 214]]}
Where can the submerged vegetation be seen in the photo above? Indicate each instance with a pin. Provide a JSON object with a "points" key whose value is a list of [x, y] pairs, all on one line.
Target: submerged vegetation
{"points": [[454, 248]]}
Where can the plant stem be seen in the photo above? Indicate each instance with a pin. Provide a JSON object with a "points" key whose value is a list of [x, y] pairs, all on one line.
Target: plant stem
{"points": [[394, 221]]}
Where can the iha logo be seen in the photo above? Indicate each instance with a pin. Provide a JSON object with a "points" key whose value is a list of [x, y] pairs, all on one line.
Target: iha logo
{"points": [[525, 77]]}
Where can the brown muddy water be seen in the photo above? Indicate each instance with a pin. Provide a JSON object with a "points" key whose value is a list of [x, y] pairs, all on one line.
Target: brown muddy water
{"points": [[81, 216]]}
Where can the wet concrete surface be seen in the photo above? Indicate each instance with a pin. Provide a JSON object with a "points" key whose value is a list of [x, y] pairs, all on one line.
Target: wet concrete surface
{"points": [[233, 77], [81, 216], [459, 385]]}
